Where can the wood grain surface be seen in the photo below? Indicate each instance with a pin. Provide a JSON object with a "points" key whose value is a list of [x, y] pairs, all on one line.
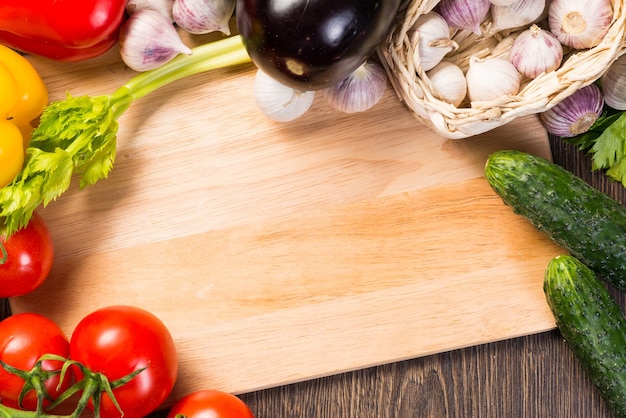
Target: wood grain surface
{"points": [[279, 253], [335, 198], [530, 376]]}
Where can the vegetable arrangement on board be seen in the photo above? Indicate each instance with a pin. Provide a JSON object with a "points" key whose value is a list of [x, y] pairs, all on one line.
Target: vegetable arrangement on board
{"points": [[591, 226], [78, 135], [132, 374], [310, 46]]}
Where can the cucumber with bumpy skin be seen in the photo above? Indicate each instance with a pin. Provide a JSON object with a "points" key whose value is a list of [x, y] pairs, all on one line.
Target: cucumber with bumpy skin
{"points": [[586, 222], [592, 324]]}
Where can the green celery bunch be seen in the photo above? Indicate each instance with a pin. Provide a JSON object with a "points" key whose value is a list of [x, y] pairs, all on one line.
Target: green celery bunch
{"points": [[78, 135], [606, 142]]}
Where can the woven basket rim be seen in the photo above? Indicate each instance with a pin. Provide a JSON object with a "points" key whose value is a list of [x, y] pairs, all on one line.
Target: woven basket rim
{"points": [[414, 89]]}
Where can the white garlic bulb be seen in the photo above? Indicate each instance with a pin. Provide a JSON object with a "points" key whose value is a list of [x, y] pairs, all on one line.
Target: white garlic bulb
{"points": [[148, 39], [465, 14], [517, 14], [434, 40], [203, 16], [279, 102], [614, 84], [575, 114], [360, 90], [448, 82], [536, 51], [580, 24], [490, 79], [162, 6]]}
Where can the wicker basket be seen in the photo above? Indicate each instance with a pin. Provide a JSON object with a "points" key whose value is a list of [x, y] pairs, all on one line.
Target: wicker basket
{"points": [[579, 68]]}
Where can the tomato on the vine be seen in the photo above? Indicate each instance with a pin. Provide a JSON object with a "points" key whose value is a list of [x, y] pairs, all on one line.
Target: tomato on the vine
{"points": [[28, 258], [210, 403], [119, 340], [24, 338]]}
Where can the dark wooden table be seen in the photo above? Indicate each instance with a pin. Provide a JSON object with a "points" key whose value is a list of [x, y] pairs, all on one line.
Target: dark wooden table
{"points": [[534, 376]]}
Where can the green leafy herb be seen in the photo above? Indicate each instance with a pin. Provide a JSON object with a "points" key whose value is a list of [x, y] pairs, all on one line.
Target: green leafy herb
{"points": [[606, 142], [78, 135]]}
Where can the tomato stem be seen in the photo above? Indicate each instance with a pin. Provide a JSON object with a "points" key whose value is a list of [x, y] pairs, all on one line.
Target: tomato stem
{"points": [[33, 380], [92, 386], [8, 412]]}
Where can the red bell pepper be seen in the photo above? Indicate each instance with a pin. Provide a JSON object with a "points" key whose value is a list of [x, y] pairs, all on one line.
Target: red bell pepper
{"points": [[64, 30]]}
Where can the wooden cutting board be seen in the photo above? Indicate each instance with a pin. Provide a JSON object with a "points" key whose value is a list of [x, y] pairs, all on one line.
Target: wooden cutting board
{"points": [[281, 252]]}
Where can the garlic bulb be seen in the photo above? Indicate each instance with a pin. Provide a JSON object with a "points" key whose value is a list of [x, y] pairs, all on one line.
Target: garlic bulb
{"points": [[203, 16], [464, 14], [360, 90], [575, 114], [536, 51], [614, 84], [148, 40], [162, 6], [489, 79], [434, 40], [279, 102], [448, 82], [517, 14], [502, 2], [580, 24]]}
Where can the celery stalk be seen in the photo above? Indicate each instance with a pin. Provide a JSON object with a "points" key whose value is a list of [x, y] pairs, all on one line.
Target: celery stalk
{"points": [[78, 135]]}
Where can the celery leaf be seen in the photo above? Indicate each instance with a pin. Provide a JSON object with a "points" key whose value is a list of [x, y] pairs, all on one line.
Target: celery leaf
{"points": [[609, 147], [75, 136]]}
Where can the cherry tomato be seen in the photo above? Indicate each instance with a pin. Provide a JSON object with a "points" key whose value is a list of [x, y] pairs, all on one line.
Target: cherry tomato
{"points": [[119, 340], [210, 403], [30, 253], [24, 338]]}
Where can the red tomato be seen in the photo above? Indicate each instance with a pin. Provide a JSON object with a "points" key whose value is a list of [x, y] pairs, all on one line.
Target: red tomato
{"points": [[119, 340], [24, 338], [30, 253], [210, 403]]}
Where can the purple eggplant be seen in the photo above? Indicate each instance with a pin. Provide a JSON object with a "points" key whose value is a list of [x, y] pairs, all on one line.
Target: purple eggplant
{"points": [[313, 44]]}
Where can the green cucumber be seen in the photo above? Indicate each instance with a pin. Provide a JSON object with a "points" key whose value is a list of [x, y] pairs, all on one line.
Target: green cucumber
{"points": [[592, 324], [589, 224]]}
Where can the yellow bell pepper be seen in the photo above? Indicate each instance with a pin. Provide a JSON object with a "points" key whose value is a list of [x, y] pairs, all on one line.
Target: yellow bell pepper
{"points": [[23, 96]]}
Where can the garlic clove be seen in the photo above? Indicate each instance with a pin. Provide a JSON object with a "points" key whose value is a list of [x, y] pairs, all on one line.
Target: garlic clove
{"points": [[517, 14], [536, 51], [580, 24], [448, 82], [162, 6], [465, 14], [360, 90], [575, 114], [490, 79], [434, 40], [614, 84], [279, 102], [204, 16], [148, 40]]}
